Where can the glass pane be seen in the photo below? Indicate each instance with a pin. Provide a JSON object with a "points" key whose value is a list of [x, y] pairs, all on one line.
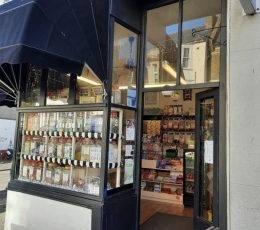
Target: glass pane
{"points": [[57, 88], [61, 149], [189, 171], [162, 46], [121, 148], [200, 41], [31, 94], [207, 159], [124, 67], [89, 88]]}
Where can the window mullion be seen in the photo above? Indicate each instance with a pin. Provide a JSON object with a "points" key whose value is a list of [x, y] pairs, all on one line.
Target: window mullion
{"points": [[179, 42]]}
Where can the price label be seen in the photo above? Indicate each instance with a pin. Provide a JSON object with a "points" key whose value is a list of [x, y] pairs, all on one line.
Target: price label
{"points": [[25, 171], [30, 172], [65, 177], [42, 149], [48, 174], [57, 177], [38, 174]]}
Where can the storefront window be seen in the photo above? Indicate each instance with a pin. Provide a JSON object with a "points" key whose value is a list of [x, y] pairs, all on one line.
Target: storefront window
{"points": [[30, 96], [121, 148], [200, 58], [57, 88], [124, 67], [89, 88], [61, 149], [161, 46]]}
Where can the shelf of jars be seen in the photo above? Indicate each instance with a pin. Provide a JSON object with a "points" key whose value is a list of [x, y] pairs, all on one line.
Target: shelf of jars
{"points": [[62, 161], [89, 135], [63, 149]]}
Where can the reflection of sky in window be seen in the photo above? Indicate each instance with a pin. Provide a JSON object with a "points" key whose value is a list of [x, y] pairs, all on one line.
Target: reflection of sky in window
{"points": [[188, 25]]}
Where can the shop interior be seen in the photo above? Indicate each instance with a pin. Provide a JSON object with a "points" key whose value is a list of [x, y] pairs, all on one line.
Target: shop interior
{"points": [[169, 131], [168, 153]]}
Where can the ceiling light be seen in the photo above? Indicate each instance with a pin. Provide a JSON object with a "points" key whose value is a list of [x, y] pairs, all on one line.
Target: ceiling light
{"points": [[88, 81], [172, 72], [158, 85]]}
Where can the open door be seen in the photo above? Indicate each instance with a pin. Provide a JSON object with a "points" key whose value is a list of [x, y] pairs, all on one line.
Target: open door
{"points": [[206, 160]]}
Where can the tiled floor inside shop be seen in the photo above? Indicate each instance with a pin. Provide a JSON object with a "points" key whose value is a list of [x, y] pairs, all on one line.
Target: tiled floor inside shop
{"points": [[149, 208]]}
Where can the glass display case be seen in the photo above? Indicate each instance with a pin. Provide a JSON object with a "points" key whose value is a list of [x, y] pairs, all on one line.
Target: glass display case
{"points": [[61, 149], [64, 149]]}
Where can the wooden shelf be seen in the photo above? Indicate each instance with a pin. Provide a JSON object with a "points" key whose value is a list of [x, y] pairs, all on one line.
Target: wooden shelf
{"points": [[163, 182], [162, 197], [151, 164], [190, 192], [177, 131]]}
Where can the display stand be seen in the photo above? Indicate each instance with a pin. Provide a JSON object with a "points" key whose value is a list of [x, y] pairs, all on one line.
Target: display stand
{"points": [[166, 140]]}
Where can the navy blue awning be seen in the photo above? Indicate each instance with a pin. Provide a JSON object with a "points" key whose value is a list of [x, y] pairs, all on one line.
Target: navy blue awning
{"points": [[58, 34]]}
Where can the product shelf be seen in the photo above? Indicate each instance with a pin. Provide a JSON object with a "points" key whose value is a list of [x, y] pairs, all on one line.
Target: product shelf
{"points": [[63, 161], [190, 192], [90, 135], [177, 131], [162, 182]]}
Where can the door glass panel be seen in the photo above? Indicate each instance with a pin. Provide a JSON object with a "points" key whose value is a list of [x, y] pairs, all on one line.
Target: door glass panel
{"points": [[207, 160]]}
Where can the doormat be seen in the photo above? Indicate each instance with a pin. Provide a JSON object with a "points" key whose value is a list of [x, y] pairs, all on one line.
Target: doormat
{"points": [[161, 221]]}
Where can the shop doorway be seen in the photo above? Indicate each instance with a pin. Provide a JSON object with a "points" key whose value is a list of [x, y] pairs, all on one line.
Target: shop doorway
{"points": [[179, 159], [206, 160]]}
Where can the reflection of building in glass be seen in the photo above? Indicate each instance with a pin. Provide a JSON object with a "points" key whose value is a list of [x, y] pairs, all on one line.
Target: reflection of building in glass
{"points": [[201, 50], [153, 64], [157, 56], [194, 62]]}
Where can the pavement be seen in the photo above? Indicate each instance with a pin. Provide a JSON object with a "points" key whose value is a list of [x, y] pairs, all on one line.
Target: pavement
{"points": [[4, 179], [2, 220]]}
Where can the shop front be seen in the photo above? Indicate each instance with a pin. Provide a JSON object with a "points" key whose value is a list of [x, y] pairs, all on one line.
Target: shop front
{"points": [[184, 112], [127, 107]]}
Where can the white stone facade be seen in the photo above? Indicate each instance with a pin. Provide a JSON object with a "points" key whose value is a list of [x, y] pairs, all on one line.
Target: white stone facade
{"points": [[243, 118]]}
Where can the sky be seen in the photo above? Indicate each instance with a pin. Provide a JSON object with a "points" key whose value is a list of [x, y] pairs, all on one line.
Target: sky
{"points": [[186, 25]]}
